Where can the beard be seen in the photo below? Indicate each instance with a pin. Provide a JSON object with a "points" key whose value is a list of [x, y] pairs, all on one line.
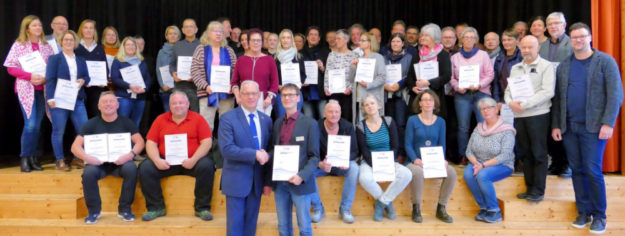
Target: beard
{"points": [[528, 57]]}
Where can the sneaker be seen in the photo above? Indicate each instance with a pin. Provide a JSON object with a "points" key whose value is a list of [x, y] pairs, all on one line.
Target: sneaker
{"points": [[492, 216], [204, 215], [598, 226], [567, 173], [317, 215], [534, 198], [151, 215], [92, 218], [481, 216], [581, 221], [126, 216], [346, 216], [390, 212], [522, 195]]}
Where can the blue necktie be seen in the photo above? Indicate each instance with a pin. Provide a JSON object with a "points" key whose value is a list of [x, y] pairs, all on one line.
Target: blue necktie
{"points": [[253, 130]]}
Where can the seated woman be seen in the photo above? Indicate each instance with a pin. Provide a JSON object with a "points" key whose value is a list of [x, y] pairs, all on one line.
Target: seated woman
{"points": [[427, 130], [491, 155], [377, 133]]}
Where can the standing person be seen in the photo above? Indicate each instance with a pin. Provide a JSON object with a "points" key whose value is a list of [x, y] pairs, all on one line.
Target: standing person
{"points": [[66, 66], [521, 28], [243, 141], [395, 105], [288, 54], [295, 129], [412, 37], [331, 40], [531, 117], [354, 35], [245, 46], [341, 59], [164, 57], [29, 87], [491, 42], [131, 96], [370, 48], [259, 67], [235, 36], [299, 40], [538, 27], [588, 97], [111, 43], [186, 48], [213, 51], [59, 25], [314, 97], [504, 62], [448, 39], [272, 44], [90, 50]]}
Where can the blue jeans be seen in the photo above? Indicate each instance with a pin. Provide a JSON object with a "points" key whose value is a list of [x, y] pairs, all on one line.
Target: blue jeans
{"points": [[59, 120], [285, 199], [481, 185], [465, 104], [279, 108], [165, 100], [131, 108], [585, 155], [349, 185], [32, 125], [91, 190]]}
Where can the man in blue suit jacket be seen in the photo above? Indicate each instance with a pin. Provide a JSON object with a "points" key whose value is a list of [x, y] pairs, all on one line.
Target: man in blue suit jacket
{"points": [[243, 144]]}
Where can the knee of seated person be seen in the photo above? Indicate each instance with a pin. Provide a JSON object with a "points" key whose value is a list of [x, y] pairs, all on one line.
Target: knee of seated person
{"points": [[365, 178], [205, 164], [129, 168], [468, 172], [482, 177], [147, 166], [90, 173]]}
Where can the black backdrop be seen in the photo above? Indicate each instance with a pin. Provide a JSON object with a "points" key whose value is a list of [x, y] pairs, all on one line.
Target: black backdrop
{"points": [[150, 17]]}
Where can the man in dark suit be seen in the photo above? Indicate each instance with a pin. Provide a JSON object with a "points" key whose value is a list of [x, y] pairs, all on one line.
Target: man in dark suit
{"points": [[295, 129], [243, 138]]}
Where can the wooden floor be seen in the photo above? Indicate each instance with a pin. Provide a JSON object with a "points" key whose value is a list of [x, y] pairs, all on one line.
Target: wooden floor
{"points": [[51, 203]]}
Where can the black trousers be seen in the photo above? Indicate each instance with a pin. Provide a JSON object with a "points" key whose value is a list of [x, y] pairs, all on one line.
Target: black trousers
{"points": [[150, 176], [92, 174], [532, 141]]}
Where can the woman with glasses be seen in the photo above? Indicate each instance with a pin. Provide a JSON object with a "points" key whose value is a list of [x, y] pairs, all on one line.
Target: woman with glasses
{"points": [[338, 66], [370, 46]]}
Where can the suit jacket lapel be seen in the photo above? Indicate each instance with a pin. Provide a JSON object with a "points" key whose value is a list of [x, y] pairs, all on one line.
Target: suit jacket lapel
{"points": [[243, 121]]}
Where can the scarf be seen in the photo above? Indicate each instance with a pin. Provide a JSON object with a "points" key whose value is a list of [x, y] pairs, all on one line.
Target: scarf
{"points": [[425, 54], [470, 54], [495, 52], [224, 60], [497, 128], [395, 57], [133, 60], [286, 56]]}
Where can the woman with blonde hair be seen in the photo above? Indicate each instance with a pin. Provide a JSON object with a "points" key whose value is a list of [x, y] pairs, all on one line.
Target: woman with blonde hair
{"points": [[165, 55], [287, 53], [370, 46], [29, 86], [90, 50]]}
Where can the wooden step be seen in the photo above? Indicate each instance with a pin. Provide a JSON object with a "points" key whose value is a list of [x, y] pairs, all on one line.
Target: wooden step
{"points": [[42, 206]]}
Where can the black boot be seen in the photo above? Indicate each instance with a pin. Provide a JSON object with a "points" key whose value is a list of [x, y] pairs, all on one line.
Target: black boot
{"points": [[416, 213], [441, 214], [24, 167], [34, 163]]}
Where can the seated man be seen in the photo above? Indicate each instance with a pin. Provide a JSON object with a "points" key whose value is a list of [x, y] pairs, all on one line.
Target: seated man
{"points": [[108, 122], [179, 120], [332, 124]]}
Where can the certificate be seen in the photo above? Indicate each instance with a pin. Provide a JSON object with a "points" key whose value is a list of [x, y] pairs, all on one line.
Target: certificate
{"points": [[383, 166], [33, 63], [107, 147], [176, 148], [338, 150], [132, 75], [220, 79], [168, 80], [285, 162], [336, 81], [521, 87], [54, 45], [290, 74], [184, 67], [433, 162], [97, 73], [507, 115], [393, 73], [469, 76], [426, 70], [118, 144], [365, 69], [312, 72], [109, 62], [65, 94]]}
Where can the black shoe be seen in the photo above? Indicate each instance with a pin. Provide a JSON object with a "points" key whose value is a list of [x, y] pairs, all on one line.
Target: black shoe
{"points": [[416, 213], [442, 215], [534, 198], [522, 195], [567, 173], [24, 166], [581, 221], [34, 163]]}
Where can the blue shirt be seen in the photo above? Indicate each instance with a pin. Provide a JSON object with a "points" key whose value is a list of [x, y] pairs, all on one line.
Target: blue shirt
{"points": [[576, 91], [418, 134], [379, 140]]}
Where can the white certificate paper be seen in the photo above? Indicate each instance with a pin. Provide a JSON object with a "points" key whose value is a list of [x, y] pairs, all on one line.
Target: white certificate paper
{"points": [[433, 162], [132, 75], [383, 166], [118, 144], [336, 81], [168, 80], [285, 162], [220, 79], [521, 87], [65, 94], [365, 69], [184, 67], [54, 45], [33, 63], [393, 73], [97, 73], [290, 74], [107, 147], [469, 76], [312, 72], [507, 114], [338, 150], [426, 70], [176, 148]]}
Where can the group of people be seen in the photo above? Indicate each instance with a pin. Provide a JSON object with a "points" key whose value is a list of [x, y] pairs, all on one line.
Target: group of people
{"points": [[288, 89]]}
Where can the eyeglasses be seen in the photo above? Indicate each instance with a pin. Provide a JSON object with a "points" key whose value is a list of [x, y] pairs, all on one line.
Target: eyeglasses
{"points": [[580, 37], [554, 23], [487, 108], [289, 95], [255, 40], [253, 94]]}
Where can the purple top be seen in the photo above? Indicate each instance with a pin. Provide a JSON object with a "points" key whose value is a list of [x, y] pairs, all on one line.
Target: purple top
{"points": [[262, 70]]}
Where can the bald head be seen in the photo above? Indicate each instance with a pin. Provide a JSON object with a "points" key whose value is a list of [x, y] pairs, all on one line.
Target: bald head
{"points": [[332, 112], [59, 25], [529, 48], [491, 41]]}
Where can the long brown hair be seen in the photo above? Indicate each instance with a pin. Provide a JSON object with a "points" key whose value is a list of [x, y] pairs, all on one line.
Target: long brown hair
{"points": [[23, 36]]}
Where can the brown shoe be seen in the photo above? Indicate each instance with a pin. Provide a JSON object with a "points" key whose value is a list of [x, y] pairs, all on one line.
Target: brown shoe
{"points": [[78, 164], [60, 165]]}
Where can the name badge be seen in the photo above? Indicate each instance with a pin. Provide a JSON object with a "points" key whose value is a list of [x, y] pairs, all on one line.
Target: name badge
{"points": [[299, 138]]}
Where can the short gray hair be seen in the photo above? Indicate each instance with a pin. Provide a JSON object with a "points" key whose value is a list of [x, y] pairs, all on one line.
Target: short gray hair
{"points": [[433, 30], [332, 101], [488, 101], [250, 82], [342, 33], [471, 30], [448, 28], [520, 23], [359, 26], [556, 14], [178, 91]]}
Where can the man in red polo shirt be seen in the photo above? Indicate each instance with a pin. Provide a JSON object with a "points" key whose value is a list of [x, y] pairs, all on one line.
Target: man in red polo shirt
{"points": [[172, 129]]}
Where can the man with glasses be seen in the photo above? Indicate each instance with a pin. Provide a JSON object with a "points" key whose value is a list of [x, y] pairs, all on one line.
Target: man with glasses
{"points": [[59, 25], [186, 48], [588, 97]]}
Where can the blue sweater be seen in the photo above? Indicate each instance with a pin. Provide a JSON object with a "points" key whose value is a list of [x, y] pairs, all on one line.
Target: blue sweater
{"points": [[121, 87], [417, 134], [576, 104]]}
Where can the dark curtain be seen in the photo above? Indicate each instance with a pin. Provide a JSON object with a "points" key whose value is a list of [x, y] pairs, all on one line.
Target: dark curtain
{"points": [[149, 18]]}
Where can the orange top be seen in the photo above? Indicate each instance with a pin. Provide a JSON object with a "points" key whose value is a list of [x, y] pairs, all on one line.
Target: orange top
{"points": [[110, 50]]}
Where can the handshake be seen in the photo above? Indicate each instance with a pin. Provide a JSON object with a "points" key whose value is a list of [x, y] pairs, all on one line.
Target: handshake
{"points": [[262, 156]]}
